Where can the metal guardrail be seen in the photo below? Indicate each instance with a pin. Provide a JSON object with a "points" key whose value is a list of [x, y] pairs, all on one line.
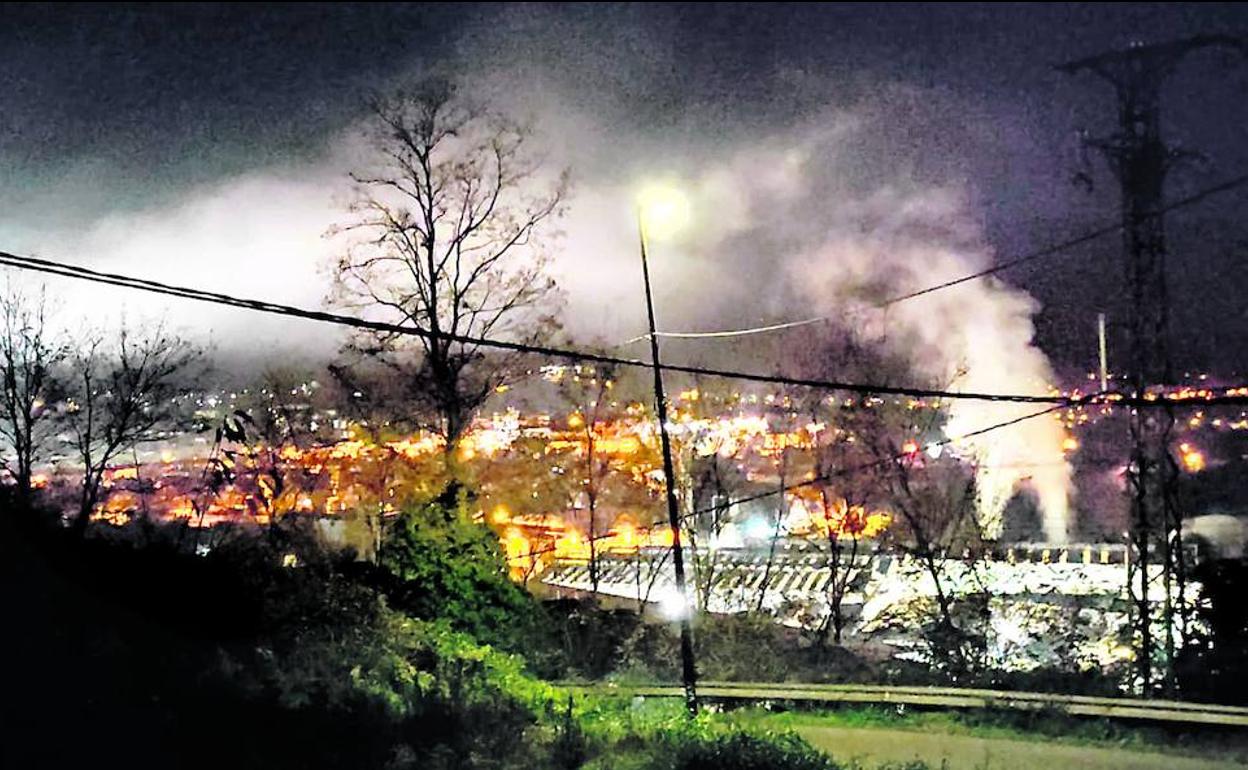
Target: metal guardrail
{"points": [[945, 697]]}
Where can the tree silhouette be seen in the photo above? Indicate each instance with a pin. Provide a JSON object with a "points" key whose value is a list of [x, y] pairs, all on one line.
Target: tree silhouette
{"points": [[121, 392], [30, 355], [448, 234]]}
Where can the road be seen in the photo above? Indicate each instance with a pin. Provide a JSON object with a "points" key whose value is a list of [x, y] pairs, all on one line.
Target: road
{"points": [[963, 752]]}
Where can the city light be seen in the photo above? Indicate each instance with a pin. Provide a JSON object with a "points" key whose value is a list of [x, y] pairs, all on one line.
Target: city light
{"points": [[381, 415], [757, 528], [1193, 459]]}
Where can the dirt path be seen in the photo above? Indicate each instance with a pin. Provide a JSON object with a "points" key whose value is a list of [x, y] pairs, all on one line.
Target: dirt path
{"points": [[964, 752]]}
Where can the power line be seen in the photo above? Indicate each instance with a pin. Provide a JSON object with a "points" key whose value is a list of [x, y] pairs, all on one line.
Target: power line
{"points": [[1048, 251], [820, 478], [66, 270], [730, 333], [115, 279], [867, 466]]}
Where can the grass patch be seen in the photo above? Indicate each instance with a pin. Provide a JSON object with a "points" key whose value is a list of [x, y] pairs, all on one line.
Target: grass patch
{"points": [[656, 734], [1042, 726]]}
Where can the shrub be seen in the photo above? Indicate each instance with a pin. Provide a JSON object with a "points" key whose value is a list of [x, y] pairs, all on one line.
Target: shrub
{"points": [[745, 647], [586, 640], [440, 565], [415, 691], [691, 749]]}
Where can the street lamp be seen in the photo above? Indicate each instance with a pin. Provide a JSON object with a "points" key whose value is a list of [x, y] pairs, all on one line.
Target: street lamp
{"points": [[663, 210]]}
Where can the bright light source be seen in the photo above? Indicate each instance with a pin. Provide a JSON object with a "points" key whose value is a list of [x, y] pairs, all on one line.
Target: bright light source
{"points": [[1193, 460], [501, 514], [757, 528], [664, 210], [672, 606]]}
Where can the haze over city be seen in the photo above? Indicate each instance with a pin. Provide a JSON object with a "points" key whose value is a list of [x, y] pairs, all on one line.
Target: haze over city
{"points": [[697, 349]]}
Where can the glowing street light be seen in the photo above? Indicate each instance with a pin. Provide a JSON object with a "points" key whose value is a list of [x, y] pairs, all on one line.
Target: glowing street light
{"points": [[664, 210], [674, 605]]}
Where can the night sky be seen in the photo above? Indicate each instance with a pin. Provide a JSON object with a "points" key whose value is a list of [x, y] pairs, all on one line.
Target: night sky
{"points": [[109, 116]]}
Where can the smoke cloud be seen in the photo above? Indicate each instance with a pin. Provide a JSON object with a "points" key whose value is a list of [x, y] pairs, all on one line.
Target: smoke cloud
{"points": [[817, 216], [794, 226]]}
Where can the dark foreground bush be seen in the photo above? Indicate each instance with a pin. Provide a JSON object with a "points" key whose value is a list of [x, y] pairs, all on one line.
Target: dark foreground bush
{"points": [[737, 648], [583, 640], [689, 750], [150, 657], [437, 564]]}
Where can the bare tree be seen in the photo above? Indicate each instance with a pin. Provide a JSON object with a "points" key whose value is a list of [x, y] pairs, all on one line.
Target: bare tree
{"points": [[709, 477], [601, 473], [450, 228], [841, 493], [777, 525], [29, 356], [712, 479], [783, 427], [590, 401], [936, 526], [843, 482], [266, 437], [286, 405], [120, 394]]}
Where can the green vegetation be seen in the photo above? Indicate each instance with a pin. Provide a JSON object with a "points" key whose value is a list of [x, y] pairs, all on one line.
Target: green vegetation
{"points": [[688, 750], [1040, 726], [236, 660], [599, 644], [884, 747], [440, 565], [239, 659]]}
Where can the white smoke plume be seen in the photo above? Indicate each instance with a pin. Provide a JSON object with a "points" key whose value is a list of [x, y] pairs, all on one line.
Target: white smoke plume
{"points": [[788, 225], [974, 337], [788, 229]]}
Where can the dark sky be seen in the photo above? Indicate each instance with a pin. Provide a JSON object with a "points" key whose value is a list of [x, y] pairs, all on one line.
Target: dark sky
{"points": [[113, 108]]}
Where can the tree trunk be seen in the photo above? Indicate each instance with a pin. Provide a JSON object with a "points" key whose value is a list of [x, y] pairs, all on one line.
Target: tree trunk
{"points": [[593, 547], [25, 493], [86, 504], [775, 535]]}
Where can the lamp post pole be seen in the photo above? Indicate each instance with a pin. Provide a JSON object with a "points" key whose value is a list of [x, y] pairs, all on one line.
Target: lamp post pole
{"points": [[688, 669]]}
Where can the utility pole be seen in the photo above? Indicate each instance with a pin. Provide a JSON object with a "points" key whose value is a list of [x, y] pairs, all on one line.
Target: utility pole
{"points": [[1104, 356], [689, 674], [1139, 158]]}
